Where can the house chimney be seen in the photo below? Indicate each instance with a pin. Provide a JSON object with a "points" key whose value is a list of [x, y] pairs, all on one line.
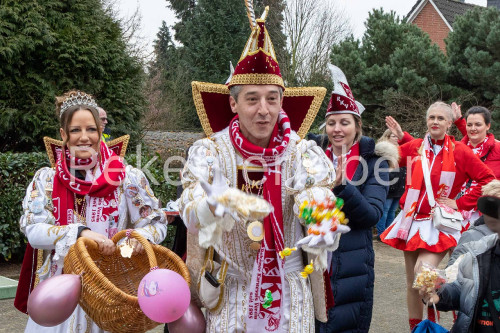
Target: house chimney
{"points": [[494, 3]]}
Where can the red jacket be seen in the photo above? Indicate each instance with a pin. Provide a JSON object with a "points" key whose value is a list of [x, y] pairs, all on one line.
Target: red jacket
{"points": [[492, 148], [468, 166]]}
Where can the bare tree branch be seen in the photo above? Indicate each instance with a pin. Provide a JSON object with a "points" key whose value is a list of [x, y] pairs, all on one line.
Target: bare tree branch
{"points": [[312, 27], [137, 44]]}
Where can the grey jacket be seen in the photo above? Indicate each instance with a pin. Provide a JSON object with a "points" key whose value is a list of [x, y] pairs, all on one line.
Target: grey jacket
{"points": [[463, 293], [477, 231]]}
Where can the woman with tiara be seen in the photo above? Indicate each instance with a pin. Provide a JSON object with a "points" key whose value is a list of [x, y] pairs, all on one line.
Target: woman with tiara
{"points": [[90, 193]]}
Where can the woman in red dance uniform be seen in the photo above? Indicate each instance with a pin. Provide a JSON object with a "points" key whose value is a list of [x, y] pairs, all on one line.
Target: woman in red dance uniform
{"points": [[451, 163]]}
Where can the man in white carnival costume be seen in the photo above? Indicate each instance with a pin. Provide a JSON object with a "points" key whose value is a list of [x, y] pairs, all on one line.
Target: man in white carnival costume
{"points": [[237, 271]]}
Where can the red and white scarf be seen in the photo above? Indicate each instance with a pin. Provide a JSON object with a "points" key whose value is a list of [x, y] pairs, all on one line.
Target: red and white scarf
{"points": [[447, 176], [351, 159], [101, 209], [268, 269], [480, 150]]}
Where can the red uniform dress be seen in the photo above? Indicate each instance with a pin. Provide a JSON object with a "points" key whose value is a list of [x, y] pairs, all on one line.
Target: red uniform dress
{"points": [[422, 233], [489, 152]]}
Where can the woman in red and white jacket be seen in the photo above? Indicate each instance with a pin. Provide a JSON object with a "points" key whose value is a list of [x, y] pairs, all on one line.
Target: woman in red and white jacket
{"points": [[451, 164], [475, 126]]}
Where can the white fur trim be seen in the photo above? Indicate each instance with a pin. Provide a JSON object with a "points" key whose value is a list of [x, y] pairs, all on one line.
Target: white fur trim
{"points": [[389, 151]]}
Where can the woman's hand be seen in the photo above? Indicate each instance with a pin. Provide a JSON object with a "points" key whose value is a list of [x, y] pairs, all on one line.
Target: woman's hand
{"points": [[138, 248], [448, 202], [394, 126], [106, 245], [340, 171], [457, 111]]}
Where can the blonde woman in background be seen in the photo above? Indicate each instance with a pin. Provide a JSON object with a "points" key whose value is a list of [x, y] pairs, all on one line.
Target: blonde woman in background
{"points": [[397, 179]]}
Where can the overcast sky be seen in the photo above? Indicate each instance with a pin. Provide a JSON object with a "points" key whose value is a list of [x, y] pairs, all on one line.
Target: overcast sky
{"points": [[155, 11]]}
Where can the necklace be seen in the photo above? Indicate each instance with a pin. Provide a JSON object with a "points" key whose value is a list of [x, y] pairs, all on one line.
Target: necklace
{"points": [[80, 216], [252, 184], [255, 229]]}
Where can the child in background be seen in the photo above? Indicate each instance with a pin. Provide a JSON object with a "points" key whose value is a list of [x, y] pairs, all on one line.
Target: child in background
{"points": [[476, 292]]}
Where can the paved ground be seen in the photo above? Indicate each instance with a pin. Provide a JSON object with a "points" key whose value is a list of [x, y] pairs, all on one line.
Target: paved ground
{"points": [[389, 314]]}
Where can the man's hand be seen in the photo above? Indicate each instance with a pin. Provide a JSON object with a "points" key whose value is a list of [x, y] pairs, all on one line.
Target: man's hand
{"points": [[394, 126], [215, 190], [324, 239]]}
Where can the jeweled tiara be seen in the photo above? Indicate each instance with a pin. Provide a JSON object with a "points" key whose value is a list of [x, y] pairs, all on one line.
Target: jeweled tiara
{"points": [[78, 98]]}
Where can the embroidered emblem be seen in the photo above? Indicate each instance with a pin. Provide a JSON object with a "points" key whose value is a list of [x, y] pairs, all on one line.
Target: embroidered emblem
{"points": [[131, 190], [37, 205]]}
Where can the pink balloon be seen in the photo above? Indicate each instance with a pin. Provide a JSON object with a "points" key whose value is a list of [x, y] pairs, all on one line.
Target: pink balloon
{"points": [[163, 295], [54, 300], [193, 321]]}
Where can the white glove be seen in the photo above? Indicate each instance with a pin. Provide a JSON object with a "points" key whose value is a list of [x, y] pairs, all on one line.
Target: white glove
{"points": [[320, 244], [326, 239], [215, 190]]}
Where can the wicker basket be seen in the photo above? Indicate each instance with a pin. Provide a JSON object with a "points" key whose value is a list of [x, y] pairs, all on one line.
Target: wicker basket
{"points": [[110, 283]]}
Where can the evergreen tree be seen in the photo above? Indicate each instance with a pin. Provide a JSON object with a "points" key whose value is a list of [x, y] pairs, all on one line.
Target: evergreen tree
{"points": [[48, 47], [211, 33], [473, 49], [395, 70]]}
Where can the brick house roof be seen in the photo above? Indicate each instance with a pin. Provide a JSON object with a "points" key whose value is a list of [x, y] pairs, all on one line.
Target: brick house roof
{"points": [[449, 9]]}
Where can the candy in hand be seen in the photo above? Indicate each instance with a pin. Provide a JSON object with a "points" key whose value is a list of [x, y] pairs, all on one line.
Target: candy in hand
{"points": [[428, 277]]}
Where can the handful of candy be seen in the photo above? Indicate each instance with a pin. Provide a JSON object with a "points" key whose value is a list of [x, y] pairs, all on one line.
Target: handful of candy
{"points": [[247, 206], [315, 214], [325, 221], [428, 277]]}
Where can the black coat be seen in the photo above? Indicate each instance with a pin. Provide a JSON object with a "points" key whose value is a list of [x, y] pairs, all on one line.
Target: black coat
{"points": [[397, 189], [352, 265]]}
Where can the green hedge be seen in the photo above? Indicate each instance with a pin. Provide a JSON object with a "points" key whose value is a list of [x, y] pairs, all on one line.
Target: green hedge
{"points": [[17, 171]]}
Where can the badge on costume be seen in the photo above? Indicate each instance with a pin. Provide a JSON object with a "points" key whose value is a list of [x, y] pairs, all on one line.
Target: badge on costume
{"points": [[210, 159], [255, 231], [37, 205], [131, 190]]}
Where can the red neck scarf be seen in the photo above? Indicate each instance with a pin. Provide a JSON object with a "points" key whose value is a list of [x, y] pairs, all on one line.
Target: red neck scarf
{"points": [[481, 149], [268, 272], [101, 202], [447, 176], [351, 158]]}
